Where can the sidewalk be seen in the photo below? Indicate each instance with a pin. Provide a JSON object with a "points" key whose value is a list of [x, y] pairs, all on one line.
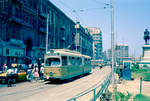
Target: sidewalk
{"points": [[133, 87]]}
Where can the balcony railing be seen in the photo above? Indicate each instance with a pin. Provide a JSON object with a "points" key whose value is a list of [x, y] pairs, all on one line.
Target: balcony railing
{"points": [[42, 14], [15, 19]]}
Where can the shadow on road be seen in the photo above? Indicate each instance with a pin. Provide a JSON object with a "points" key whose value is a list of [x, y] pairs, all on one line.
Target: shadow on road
{"points": [[58, 82]]}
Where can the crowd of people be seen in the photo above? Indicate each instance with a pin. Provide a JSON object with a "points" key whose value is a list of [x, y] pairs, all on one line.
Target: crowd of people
{"points": [[33, 71]]}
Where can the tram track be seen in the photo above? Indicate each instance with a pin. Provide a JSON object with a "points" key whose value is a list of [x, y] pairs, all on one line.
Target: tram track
{"points": [[52, 91], [25, 92]]}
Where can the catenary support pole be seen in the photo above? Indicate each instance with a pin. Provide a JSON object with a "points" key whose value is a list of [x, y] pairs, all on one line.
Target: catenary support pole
{"points": [[47, 32], [112, 45]]}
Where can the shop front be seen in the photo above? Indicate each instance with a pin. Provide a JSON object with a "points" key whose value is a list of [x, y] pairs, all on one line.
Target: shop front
{"points": [[39, 53], [13, 52]]}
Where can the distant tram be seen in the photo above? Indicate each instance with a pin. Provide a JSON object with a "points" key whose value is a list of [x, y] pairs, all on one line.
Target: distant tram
{"points": [[63, 64]]}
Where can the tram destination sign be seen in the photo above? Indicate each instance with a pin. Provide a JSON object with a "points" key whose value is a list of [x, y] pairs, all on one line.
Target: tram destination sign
{"points": [[53, 54]]}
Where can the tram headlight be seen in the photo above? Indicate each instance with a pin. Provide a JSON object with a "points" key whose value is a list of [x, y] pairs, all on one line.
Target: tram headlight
{"points": [[47, 77]]}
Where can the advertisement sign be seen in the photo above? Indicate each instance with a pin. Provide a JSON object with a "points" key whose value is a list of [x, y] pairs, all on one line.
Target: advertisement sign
{"points": [[13, 52]]}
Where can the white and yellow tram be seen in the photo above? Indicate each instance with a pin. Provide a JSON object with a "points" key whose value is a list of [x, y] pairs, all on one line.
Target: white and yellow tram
{"points": [[64, 64]]}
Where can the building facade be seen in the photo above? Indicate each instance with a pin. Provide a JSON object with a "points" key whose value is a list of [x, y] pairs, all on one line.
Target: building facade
{"points": [[23, 30], [122, 50], [83, 40], [121, 53], [97, 42]]}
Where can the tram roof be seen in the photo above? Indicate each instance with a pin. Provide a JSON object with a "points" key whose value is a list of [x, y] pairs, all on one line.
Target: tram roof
{"points": [[67, 52]]}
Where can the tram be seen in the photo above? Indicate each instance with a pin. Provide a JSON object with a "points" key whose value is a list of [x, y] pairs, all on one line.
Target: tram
{"points": [[64, 64]]}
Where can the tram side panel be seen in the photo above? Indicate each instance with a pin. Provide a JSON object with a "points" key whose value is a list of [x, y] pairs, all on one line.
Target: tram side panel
{"points": [[52, 72], [87, 65], [75, 70]]}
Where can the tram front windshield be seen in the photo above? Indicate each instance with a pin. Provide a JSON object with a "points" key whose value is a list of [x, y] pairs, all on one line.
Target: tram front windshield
{"points": [[52, 62]]}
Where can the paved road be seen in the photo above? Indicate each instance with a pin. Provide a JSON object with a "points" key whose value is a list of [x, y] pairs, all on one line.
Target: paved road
{"points": [[52, 91]]}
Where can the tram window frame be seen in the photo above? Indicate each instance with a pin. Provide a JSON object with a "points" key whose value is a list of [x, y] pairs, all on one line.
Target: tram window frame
{"points": [[49, 62], [89, 61], [64, 63], [79, 61], [73, 60], [85, 61], [69, 60]]}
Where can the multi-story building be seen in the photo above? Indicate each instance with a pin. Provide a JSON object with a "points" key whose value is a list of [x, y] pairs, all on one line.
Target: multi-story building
{"points": [[108, 56], [83, 40], [121, 52], [23, 30], [97, 42]]}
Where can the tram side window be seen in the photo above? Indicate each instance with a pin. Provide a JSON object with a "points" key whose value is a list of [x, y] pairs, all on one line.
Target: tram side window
{"points": [[85, 61], [73, 60], [89, 62], [52, 62], [64, 60], [79, 61]]}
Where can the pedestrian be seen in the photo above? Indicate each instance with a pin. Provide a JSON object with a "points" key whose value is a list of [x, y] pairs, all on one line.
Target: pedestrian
{"points": [[9, 77], [29, 73], [42, 73], [19, 67], [5, 68], [39, 64], [35, 71]]}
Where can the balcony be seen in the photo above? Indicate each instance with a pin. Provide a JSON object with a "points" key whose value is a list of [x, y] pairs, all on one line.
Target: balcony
{"points": [[42, 29], [43, 14], [15, 19], [63, 38], [62, 27], [42, 47], [19, 21], [18, 1]]}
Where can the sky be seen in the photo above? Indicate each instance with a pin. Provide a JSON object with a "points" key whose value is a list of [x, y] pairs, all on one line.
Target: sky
{"points": [[131, 18]]}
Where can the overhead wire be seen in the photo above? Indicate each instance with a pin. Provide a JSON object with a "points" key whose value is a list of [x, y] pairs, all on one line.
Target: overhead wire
{"points": [[76, 12], [71, 10], [100, 2]]}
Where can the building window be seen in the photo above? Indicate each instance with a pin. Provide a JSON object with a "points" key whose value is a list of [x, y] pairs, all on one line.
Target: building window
{"points": [[30, 3], [31, 19], [4, 5], [7, 51], [44, 9], [1, 36], [23, 15]]}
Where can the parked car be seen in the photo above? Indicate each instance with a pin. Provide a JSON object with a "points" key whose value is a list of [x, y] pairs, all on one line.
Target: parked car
{"points": [[16, 75]]}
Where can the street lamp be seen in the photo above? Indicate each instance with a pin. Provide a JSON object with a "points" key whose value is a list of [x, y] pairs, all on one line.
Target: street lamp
{"points": [[47, 32], [112, 43]]}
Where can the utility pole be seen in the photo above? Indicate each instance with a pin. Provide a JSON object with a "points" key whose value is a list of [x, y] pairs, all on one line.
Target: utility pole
{"points": [[47, 32], [77, 35], [112, 45], [81, 44], [76, 39]]}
